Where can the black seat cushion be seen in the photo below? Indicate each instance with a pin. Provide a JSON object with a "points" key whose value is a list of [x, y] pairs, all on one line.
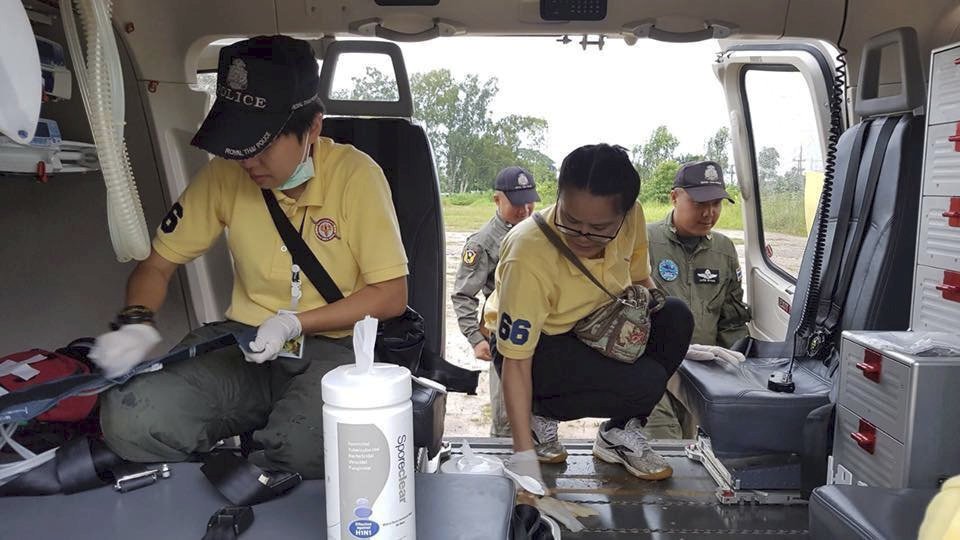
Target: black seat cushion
{"points": [[403, 152], [739, 414], [734, 406], [854, 512]]}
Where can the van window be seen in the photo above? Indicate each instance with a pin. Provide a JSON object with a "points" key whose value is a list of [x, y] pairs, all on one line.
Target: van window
{"points": [[787, 161]]}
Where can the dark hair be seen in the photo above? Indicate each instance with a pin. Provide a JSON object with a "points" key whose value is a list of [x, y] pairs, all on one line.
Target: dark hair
{"points": [[301, 120], [601, 169]]}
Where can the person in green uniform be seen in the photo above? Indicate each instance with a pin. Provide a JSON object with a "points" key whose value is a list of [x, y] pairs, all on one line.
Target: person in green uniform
{"points": [[691, 261]]}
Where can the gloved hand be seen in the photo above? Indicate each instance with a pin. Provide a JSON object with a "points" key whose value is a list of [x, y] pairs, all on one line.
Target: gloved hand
{"points": [[119, 351], [525, 463], [706, 353], [271, 336]]}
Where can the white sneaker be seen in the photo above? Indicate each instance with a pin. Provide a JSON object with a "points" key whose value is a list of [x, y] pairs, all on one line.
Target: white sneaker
{"points": [[546, 442], [629, 447]]}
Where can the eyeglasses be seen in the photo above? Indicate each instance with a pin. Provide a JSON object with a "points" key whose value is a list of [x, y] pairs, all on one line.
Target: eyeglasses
{"points": [[594, 237]]}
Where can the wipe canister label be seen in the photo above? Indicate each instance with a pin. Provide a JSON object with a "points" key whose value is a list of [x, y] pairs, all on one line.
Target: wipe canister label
{"points": [[373, 483]]}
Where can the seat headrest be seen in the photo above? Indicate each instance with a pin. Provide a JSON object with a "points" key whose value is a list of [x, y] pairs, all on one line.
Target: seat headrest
{"points": [[912, 91], [403, 108]]}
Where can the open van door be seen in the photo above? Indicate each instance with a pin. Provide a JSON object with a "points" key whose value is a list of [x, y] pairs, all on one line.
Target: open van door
{"points": [[778, 97]]}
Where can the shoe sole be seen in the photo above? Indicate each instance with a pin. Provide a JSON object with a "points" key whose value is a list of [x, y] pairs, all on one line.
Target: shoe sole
{"points": [[611, 457], [559, 458]]}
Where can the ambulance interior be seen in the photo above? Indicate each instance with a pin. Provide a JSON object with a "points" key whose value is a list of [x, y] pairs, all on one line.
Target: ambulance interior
{"points": [[856, 448]]}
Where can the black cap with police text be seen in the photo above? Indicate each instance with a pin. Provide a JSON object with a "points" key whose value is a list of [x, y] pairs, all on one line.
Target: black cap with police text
{"points": [[261, 81], [702, 180], [517, 184]]}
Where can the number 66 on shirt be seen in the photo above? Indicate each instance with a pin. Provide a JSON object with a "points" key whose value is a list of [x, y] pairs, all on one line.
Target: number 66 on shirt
{"points": [[517, 332]]}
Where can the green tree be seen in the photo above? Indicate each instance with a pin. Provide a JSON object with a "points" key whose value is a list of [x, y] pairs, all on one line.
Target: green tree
{"points": [[686, 158], [470, 146], [657, 187], [660, 147], [768, 163], [373, 85], [717, 149]]}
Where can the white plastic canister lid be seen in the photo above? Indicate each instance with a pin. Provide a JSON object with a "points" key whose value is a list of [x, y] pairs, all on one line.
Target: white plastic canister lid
{"points": [[352, 387]]}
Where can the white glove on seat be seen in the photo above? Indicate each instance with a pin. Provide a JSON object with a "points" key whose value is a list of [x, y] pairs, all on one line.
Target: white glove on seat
{"points": [[526, 464], [119, 351], [706, 353], [271, 336]]}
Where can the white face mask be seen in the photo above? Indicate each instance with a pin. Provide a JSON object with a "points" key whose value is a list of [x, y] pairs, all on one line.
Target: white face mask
{"points": [[302, 173]]}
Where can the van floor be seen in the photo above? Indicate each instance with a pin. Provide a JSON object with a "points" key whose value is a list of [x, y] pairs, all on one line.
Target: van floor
{"points": [[682, 507]]}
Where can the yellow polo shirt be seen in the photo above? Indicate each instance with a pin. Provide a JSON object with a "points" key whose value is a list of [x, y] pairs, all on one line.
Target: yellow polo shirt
{"points": [[942, 518], [347, 218], [539, 291]]}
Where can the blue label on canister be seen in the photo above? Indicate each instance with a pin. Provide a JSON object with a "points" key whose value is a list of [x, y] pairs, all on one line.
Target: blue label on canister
{"points": [[364, 528]]}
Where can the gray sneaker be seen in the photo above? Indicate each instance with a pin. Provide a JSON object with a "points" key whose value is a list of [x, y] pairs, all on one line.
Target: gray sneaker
{"points": [[546, 441], [629, 447]]}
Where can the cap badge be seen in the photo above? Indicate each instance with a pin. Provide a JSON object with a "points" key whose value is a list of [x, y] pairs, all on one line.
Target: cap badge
{"points": [[237, 75], [711, 175], [522, 180]]}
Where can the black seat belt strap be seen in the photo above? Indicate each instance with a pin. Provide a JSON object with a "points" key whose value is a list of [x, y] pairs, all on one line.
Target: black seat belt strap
{"points": [[838, 299], [242, 482], [845, 211]]}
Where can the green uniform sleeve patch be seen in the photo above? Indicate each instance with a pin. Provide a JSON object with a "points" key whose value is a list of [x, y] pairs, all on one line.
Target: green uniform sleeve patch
{"points": [[469, 257]]}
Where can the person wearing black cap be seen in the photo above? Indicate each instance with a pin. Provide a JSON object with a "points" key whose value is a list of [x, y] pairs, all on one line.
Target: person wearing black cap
{"points": [[693, 262], [263, 131], [514, 195]]}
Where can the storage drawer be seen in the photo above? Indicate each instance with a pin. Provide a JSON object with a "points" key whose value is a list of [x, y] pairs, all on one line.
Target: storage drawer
{"points": [[936, 302], [945, 87], [941, 168], [875, 387], [939, 242], [882, 468]]}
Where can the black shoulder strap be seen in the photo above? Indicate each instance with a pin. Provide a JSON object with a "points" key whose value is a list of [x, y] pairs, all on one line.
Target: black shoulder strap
{"points": [[302, 256], [828, 279], [566, 252], [838, 298]]}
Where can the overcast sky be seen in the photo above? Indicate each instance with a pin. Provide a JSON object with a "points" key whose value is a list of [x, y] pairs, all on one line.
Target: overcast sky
{"points": [[617, 95]]}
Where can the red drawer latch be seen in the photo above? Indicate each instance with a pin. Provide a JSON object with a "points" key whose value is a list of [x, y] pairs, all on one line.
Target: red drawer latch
{"points": [[950, 288], [953, 214], [872, 362], [866, 436]]}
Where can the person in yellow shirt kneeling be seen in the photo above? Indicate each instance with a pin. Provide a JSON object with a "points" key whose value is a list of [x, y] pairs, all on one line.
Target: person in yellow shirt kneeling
{"points": [[548, 374]]}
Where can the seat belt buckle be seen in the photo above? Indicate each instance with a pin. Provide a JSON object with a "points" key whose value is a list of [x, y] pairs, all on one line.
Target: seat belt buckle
{"points": [[235, 518], [138, 479], [816, 343]]}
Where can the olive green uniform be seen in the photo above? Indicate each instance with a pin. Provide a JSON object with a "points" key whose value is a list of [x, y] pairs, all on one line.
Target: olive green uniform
{"points": [[704, 272]]}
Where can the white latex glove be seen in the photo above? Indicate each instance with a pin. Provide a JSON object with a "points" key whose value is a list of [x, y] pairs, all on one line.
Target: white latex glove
{"points": [[706, 353], [271, 336], [526, 463], [565, 512], [119, 351]]}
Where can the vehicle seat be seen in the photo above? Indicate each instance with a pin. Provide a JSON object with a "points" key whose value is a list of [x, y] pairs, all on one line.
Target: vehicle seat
{"points": [[733, 405], [383, 130], [867, 513]]}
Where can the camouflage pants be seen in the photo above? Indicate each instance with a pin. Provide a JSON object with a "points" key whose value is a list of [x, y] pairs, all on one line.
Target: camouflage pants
{"points": [[187, 407]]}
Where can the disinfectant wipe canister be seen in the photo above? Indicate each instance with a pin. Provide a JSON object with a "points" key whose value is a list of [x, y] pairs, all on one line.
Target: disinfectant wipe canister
{"points": [[368, 446]]}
